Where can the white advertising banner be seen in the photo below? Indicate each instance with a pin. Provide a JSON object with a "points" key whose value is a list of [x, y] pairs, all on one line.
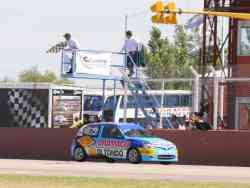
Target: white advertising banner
{"points": [[93, 63]]}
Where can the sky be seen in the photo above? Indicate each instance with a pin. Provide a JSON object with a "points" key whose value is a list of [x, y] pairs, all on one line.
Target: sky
{"points": [[30, 27]]}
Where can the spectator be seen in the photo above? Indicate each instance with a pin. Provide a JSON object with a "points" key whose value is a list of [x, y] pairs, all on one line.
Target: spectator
{"points": [[198, 122], [86, 119], [175, 122], [78, 123], [108, 115], [221, 123]]}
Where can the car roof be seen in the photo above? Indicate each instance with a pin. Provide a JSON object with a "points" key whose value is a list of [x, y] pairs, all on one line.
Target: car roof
{"points": [[121, 125]]}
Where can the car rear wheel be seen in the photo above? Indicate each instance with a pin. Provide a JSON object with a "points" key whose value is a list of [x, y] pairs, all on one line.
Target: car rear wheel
{"points": [[134, 156], [79, 154]]}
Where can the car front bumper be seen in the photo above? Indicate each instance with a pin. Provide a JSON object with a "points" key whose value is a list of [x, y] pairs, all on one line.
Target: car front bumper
{"points": [[159, 154]]}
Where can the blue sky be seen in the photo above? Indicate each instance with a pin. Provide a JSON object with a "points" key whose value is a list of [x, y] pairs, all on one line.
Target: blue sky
{"points": [[29, 28]]}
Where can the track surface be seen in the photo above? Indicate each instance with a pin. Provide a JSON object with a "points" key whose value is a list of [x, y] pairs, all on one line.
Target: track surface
{"points": [[127, 171]]}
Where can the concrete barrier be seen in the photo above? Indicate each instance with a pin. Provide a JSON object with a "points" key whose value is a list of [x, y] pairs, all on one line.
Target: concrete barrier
{"points": [[195, 147], [25, 143], [211, 147]]}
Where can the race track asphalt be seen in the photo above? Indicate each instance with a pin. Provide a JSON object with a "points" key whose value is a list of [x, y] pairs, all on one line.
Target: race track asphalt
{"points": [[126, 171]]}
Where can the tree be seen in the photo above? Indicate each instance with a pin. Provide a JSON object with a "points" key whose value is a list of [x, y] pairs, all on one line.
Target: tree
{"points": [[33, 75], [171, 60], [187, 52], [161, 56], [181, 45]]}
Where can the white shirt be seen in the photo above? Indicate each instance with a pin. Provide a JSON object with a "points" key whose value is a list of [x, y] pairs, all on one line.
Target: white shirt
{"points": [[130, 45], [72, 44]]}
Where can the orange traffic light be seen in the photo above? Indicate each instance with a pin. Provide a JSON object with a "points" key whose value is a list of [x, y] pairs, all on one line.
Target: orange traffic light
{"points": [[171, 19], [171, 7], [158, 18], [165, 13], [158, 7]]}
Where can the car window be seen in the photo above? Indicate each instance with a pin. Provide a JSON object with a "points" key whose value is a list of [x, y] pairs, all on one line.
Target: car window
{"points": [[111, 132], [91, 130], [137, 133]]}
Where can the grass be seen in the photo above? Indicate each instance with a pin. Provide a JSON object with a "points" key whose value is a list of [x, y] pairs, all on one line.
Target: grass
{"points": [[16, 181]]}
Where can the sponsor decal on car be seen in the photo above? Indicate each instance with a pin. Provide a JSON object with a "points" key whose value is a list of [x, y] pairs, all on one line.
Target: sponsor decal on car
{"points": [[107, 143], [86, 141], [91, 151], [114, 153]]}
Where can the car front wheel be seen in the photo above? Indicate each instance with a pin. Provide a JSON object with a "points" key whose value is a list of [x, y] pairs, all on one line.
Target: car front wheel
{"points": [[79, 154], [134, 156]]}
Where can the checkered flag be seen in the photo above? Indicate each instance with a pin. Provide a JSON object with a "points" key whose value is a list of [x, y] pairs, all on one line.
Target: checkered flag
{"points": [[57, 48], [26, 109]]}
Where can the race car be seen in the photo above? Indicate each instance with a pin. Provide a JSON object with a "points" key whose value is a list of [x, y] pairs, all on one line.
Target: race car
{"points": [[121, 141]]}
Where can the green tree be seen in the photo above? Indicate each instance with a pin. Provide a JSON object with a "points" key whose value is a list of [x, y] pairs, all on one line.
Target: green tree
{"points": [[181, 45], [171, 60], [33, 75], [161, 56], [187, 50]]}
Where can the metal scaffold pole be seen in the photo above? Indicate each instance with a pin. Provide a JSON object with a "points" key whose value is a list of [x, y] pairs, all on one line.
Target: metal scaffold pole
{"points": [[162, 102]]}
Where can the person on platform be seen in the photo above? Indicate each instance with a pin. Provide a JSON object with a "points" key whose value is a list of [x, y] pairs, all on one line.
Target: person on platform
{"points": [[69, 45], [130, 47]]}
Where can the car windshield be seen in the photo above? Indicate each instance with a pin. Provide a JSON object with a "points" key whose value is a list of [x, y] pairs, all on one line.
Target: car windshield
{"points": [[137, 133]]}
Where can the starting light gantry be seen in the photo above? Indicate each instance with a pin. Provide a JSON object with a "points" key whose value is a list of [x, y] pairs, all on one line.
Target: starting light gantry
{"points": [[166, 13]]}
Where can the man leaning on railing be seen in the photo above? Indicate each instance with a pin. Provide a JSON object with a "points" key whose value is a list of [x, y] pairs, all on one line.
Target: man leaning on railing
{"points": [[69, 45]]}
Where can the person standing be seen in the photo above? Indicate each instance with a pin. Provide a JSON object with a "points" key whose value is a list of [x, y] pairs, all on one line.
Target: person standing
{"points": [[131, 48], [69, 45]]}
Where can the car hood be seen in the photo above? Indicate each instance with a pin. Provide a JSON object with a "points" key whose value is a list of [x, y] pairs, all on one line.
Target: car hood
{"points": [[155, 142]]}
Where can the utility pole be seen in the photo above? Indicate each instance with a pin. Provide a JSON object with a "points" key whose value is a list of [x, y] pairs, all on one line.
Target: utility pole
{"points": [[125, 83]]}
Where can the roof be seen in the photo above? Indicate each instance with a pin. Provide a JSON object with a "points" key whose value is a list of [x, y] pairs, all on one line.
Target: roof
{"points": [[38, 85], [159, 92]]}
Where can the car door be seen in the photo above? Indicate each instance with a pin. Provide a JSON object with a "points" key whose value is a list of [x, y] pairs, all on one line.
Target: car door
{"points": [[112, 143]]}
